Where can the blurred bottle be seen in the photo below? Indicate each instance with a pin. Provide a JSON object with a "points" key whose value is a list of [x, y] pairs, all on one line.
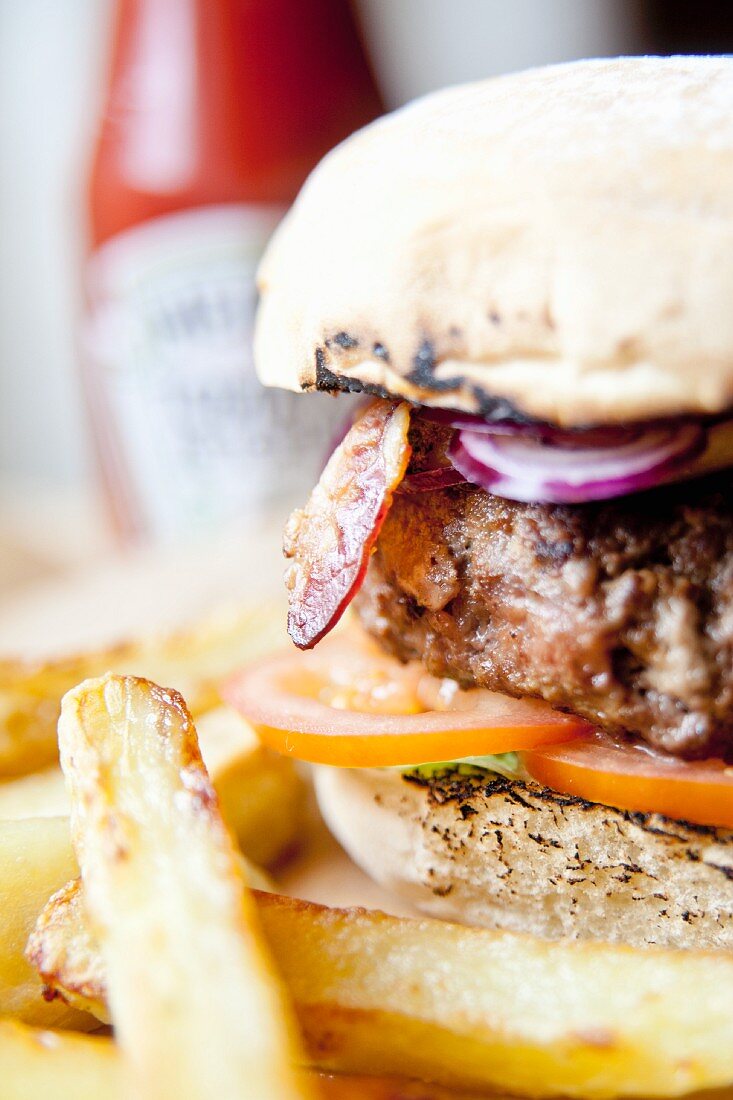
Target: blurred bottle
{"points": [[215, 112]]}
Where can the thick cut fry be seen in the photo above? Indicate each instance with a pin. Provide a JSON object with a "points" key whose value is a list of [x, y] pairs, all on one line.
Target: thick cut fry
{"points": [[53, 952], [466, 1006], [348, 1087], [260, 792], [36, 859], [194, 661], [40, 794], [65, 953], [38, 1065], [196, 1004]]}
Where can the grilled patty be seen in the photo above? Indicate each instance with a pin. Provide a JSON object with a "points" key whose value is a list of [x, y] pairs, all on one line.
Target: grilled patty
{"points": [[618, 611]]}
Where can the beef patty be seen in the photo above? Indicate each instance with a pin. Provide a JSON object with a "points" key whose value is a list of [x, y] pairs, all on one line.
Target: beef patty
{"points": [[619, 611]]}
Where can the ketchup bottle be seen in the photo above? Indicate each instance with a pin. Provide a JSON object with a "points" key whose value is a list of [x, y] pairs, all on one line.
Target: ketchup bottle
{"points": [[215, 112]]}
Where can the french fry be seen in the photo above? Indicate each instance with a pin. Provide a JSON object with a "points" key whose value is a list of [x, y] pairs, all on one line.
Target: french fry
{"points": [[260, 793], [64, 952], [36, 859], [469, 1007], [40, 794], [194, 661], [197, 1006], [352, 1087], [37, 1064]]}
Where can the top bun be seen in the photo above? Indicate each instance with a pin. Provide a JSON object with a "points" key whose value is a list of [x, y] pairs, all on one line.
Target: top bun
{"points": [[557, 243]]}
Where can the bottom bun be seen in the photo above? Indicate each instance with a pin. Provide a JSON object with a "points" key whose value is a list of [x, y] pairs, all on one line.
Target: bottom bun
{"points": [[504, 853]]}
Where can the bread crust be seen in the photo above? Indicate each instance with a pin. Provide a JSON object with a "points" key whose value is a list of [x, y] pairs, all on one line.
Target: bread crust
{"points": [[556, 244], [503, 853]]}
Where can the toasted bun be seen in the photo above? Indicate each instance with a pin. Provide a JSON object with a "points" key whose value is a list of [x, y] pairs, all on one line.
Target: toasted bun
{"points": [[557, 242], [506, 854]]}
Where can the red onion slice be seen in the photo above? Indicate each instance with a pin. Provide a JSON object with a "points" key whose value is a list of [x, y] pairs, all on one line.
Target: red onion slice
{"points": [[552, 471], [451, 418], [601, 435]]}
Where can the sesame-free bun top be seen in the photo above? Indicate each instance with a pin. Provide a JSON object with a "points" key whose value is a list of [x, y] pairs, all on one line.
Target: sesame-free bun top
{"points": [[557, 242]]}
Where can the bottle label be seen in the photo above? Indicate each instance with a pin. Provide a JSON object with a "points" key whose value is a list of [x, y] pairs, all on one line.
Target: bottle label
{"points": [[188, 436]]}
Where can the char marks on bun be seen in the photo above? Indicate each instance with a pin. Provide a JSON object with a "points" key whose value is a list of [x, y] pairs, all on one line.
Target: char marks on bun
{"points": [[504, 853], [459, 253]]}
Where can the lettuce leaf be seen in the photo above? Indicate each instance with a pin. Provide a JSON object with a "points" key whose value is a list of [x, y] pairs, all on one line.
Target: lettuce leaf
{"points": [[506, 763]]}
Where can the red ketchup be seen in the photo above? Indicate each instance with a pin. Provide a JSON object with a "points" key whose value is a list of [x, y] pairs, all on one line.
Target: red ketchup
{"points": [[215, 112]]}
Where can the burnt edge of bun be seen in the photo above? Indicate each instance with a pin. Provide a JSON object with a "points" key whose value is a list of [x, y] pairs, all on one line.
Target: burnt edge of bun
{"points": [[344, 349], [422, 375], [487, 405], [450, 786], [329, 382]]}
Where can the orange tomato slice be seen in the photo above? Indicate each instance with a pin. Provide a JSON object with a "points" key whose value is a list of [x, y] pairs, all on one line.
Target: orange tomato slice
{"points": [[350, 705], [632, 777]]}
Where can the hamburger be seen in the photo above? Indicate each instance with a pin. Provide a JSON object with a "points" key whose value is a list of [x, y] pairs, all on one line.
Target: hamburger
{"points": [[529, 280]]}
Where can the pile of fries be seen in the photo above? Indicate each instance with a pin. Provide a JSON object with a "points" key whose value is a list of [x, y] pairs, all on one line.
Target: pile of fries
{"points": [[127, 894]]}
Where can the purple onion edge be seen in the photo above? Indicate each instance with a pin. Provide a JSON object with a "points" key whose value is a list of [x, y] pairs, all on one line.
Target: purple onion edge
{"points": [[560, 492]]}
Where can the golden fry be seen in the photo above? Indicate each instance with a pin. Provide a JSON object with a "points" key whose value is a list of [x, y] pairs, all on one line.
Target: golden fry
{"points": [[36, 1065], [260, 793], [36, 858], [39, 794], [468, 1006], [194, 661], [196, 1003]]}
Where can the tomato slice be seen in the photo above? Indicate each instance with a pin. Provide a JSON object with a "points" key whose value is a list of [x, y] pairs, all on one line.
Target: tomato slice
{"points": [[350, 705], [633, 777]]}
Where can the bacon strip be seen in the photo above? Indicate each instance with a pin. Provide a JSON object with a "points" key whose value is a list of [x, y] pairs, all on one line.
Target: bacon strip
{"points": [[329, 542]]}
